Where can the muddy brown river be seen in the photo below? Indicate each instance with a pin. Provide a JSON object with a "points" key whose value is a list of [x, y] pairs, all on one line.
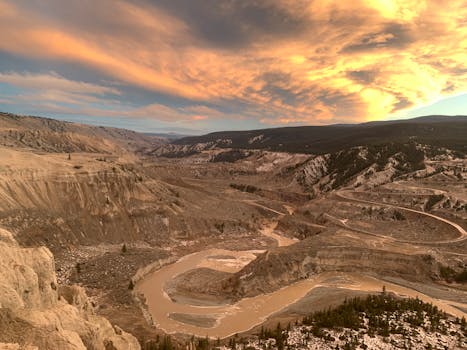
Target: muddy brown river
{"points": [[249, 312]]}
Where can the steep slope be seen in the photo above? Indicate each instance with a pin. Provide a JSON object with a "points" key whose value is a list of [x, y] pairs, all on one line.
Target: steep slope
{"points": [[364, 166], [35, 311], [49, 200], [330, 250], [51, 135]]}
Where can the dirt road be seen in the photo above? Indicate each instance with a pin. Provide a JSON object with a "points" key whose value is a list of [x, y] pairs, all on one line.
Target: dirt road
{"points": [[460, 229]]}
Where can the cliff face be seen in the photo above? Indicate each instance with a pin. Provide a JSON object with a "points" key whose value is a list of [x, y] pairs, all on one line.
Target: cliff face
{"points": [[80, 208], [285, 265], [51, 200], [34, 311]]}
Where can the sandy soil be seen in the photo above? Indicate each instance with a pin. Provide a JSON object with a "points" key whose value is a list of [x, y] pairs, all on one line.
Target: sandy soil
{"points": [[196, 320], [282, 241]]}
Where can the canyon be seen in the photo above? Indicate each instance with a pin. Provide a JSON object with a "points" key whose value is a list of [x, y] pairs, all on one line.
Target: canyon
{"points": [[114, 239]]}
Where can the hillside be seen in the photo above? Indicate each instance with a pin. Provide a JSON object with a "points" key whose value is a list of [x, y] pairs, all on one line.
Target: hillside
{"points": [[50, 135], [218, 224], [431, 130], [377, 322]]}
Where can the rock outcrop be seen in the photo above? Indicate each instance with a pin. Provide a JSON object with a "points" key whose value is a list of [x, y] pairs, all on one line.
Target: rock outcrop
{"points": [[36, 313], [285, 265]]}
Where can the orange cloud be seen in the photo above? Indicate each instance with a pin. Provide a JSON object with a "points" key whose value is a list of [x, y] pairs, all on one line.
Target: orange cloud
{"points": [[37, 40], [358, 60], [53, 81], [199, 117], [61, 45]]}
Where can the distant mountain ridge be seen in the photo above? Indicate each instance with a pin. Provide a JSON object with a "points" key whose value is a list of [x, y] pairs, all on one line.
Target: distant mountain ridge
{"points": [[443, 131], [167, 135]]}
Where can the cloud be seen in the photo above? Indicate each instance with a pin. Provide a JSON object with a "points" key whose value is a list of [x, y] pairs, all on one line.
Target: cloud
{"points": [[52, 93], [277, 62], [29, 35], [53, 81], [393, 36], [199, 117]]}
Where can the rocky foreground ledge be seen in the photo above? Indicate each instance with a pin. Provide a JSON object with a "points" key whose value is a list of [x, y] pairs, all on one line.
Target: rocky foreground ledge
{"points": [[35, 313]]}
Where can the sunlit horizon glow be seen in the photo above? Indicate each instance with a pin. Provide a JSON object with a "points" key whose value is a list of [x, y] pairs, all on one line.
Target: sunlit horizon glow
{"points": [[196, 66]]}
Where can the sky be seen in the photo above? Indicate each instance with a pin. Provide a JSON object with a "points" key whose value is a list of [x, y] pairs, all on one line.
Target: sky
{"points": [[194, 66]]}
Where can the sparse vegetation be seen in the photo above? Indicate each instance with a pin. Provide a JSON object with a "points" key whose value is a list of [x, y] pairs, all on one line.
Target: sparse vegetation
{"points": [[245, 188], [451, 275], [230, 156], [128, 211], [432, 200], [398, 216], [346, 164], [381, 315], [165, 344], [220, 227], [378, 309]]}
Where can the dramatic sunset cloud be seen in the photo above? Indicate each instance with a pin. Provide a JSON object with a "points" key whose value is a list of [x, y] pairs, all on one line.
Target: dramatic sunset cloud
{"points": [[214, 64]]}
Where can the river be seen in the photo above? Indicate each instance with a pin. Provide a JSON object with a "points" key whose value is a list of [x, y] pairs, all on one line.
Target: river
{"points": [[249, 312]]}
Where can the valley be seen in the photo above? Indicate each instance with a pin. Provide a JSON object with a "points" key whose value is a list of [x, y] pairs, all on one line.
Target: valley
{"points": [[349, 228], [199, 239]]}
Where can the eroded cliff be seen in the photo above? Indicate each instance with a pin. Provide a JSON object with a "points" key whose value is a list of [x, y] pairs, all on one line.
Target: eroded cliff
{"points": [[36, 312]]}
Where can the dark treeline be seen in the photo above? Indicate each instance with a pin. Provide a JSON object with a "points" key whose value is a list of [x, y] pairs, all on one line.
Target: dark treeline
{"points": [[451, 275]]}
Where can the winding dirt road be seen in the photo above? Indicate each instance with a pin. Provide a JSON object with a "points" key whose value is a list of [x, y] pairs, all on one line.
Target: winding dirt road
{"points": [[229, 319], [256, 204], [460, 229]]}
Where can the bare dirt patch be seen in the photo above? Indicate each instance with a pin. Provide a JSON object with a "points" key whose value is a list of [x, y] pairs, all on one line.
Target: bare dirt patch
{"points": [[192, 287], [195, 320]]}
